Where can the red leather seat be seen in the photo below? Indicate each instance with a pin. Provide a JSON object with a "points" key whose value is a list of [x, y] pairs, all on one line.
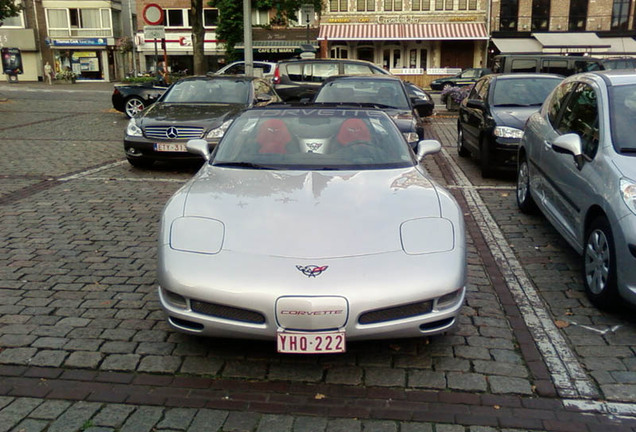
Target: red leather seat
{"points": [[351, 130], [273, 137]]}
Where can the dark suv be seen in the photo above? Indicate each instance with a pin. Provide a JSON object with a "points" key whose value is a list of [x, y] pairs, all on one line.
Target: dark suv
{"points": [[466, 77], [297, 79]]}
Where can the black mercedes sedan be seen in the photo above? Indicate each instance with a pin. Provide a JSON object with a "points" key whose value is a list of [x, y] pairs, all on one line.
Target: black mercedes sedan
{"points": [[492, 117], [195, 107], [131, 99]]}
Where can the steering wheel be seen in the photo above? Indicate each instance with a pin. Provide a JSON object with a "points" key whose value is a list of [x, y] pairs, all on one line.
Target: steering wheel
{"points": [[362, 149]]}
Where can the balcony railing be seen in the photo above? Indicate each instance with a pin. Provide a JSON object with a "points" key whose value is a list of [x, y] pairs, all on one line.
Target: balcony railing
{"points": [[80, 32]]}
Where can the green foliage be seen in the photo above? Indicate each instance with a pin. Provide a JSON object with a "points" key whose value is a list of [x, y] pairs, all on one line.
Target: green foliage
{"points": [[230, 28], [8, 9]]}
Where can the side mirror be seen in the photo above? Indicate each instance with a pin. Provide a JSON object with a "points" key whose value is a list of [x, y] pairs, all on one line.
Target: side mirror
{"points": [[426, 147], [475, 103], [570, 144], [263, 98], [199, 147]]}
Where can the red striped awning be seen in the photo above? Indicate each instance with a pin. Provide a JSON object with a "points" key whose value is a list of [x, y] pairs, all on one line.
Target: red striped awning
{"points": [[439, 31]]}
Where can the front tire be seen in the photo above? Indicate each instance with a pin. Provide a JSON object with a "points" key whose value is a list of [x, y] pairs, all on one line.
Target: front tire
{"points": [[134, 105], [525, 202], [599, 265]]}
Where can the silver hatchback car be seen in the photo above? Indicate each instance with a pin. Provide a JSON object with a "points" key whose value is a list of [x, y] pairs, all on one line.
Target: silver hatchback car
{"points": [[577, 164]]}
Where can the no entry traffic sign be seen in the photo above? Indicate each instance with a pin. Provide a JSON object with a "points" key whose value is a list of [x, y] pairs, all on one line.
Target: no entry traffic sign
{"points": [[153, 14]]}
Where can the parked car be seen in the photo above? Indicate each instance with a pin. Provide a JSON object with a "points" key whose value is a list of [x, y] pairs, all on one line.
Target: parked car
{"points": [[491, 119], [297, 79], [545, 63], [386, 92], [421, 99], [131, 99], [279, 237], [261, 69], [466, 77], [577, 165], [193, 107], [619, 63]]}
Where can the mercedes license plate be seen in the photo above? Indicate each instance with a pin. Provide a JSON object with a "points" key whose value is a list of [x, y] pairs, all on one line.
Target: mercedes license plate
{"points": [[170, 147], [310, 343]]}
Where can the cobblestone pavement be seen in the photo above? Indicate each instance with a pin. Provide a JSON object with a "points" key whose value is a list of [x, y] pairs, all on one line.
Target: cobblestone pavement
{"points": [[84, 345]]}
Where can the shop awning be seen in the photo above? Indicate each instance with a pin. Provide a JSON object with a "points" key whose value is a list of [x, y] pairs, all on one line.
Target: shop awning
{"points": [[621, 45], [518, 45], [557, 43], [437, 31]]}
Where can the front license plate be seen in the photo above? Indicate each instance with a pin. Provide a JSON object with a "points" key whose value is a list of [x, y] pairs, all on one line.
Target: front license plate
{"points": [[310, 343], [170, 147]]}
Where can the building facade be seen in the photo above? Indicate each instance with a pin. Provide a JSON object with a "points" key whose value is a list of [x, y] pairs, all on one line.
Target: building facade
{"points": [[601, 28], [20, 32], [417, 38]]}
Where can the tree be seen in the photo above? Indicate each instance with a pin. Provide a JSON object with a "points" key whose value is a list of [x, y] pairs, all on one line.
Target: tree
{"points": [[230, 28], [198, 37], [8, 9]]}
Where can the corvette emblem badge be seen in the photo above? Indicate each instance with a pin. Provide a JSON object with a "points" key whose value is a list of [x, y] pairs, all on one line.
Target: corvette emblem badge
{"points": [[311, 270]]}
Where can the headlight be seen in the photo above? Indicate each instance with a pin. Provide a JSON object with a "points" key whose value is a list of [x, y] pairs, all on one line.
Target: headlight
{"points": [[411, 136], [508, 132], [197, 234], [132, 129], [220, 131], [628, 192]]}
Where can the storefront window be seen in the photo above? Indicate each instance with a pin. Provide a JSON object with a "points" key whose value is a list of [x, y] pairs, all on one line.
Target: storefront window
{"points": [[339, 51], [366, 53]]}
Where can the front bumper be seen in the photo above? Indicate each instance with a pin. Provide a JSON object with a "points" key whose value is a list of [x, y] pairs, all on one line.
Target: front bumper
{"points": [[503, 153], [197, 299], [143, 148]]}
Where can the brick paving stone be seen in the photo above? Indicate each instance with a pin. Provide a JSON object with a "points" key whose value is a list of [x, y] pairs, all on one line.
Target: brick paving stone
{"points": [[296, 372], [142, 420], [52, 358], [310, 424], [507, 384], [426, 379], [15, 411], [416, 427], [75, 417], [16, 340], [177, 419], [379, 426], [82, 359], [241, 422], [120, 362], [113, 415], [344, 425], [500, 368], [449, 428], [209, 366], [385, 377], [50, 409], [208, 420], [344, 375], [467, 381], [275, 423], [30, 425], [21, 356]]}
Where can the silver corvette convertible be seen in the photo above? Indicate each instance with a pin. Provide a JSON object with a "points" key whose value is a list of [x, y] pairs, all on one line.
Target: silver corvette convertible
{"points": [[312, 227]]}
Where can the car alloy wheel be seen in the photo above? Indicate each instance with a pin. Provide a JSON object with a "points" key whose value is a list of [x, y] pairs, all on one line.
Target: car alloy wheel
{"points": [[599, 264], [134, 105], [462, 151], [525, 202]]}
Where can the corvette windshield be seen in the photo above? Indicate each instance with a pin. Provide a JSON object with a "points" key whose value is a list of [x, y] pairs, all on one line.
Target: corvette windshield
{"points": [[313, 139], [204, 90]]}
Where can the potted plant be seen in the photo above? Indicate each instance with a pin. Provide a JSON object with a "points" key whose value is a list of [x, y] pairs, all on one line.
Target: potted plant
{"points": [[67, 75], [453, 96]]}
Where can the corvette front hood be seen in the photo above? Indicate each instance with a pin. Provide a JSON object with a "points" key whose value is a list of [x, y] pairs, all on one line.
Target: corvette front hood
{"points": [[316, 214]]}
